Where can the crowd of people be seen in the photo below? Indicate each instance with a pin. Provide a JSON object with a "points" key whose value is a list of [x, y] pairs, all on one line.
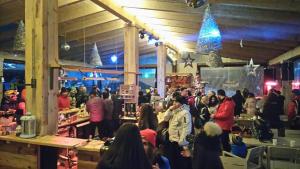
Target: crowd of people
{"points": [[189, 130]]}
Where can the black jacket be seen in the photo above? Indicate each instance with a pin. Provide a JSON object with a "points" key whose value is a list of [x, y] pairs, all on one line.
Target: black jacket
{"points": [[206, 153]]}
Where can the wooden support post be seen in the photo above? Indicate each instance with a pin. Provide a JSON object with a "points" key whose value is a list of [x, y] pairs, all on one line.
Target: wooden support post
{"points": [[131, 55], [161, 69], [1, 75], [41, 34]]}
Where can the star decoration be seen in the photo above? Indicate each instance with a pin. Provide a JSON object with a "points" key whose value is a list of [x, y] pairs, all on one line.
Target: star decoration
{"points": [[251, 68], [188, 61]]}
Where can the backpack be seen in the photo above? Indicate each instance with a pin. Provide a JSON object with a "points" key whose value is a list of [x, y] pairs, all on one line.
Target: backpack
{"points": [[262, 130]]}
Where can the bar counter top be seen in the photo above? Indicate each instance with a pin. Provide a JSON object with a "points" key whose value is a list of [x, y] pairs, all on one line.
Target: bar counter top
{"points": [[92, 146], [48, 140]]}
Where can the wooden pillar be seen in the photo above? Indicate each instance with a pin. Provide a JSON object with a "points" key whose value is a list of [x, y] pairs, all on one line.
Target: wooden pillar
{"points": [[131, 55], [161, 69], [41, 34], [1, 76]]}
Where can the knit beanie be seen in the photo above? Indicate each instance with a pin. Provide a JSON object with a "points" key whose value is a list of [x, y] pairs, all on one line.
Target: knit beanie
{"points": [[149, 135]]}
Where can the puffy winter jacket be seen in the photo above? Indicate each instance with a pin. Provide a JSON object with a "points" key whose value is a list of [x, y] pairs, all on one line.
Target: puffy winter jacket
{"points": [[180, 124], [224, 115]]}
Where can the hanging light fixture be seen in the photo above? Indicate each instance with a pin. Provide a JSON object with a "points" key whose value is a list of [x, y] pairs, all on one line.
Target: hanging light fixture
{"points": [[209, 38]]}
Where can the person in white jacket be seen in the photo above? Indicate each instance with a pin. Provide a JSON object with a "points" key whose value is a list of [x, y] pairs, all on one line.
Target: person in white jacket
{"points": [[180, 125]]}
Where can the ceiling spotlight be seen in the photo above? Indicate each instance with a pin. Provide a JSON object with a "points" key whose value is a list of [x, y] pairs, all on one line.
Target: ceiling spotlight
{"points": [[113, 58], [195, 3], [66, 46], [142, 34]]}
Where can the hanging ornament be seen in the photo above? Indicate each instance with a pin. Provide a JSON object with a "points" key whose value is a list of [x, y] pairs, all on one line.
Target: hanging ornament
{"points": [[19, 43], [241, 43], [214, 60], [251, 68], [95, 57], [209, 38], [188, 61]]}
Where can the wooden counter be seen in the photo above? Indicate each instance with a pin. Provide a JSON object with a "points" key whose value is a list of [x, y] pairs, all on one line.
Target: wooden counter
{"points": [[89, 154], [38, 152], [51, 141]]}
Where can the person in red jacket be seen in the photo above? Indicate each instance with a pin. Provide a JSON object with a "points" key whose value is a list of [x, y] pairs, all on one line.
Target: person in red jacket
{"points": [[224, 117]]}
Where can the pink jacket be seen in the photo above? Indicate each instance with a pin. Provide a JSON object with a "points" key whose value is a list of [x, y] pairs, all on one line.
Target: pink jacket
{"points": [[224, 115], [95, 107]]}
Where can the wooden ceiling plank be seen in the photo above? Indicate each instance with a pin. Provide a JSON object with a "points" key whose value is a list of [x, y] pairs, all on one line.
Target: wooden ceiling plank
{"points": [[78, 10], [87, 21], [287, 5], [97, 29]]}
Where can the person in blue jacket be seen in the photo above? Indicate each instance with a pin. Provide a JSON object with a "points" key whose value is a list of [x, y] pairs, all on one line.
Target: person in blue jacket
{"points": [[238, 147]]}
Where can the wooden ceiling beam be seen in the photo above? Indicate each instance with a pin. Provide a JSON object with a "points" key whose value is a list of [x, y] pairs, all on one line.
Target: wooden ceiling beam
{"points": [[120, 12], [285, 56], [287, 5], [86, 21], [77, 10], [97, 29]]}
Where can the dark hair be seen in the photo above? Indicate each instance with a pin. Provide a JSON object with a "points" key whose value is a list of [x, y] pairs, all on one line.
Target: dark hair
{"points": [[147, 118], [93, 93], [211, 103], [251, 95], [238, 92], [221, 92], [126, 152], [63, 90], [189, 93], [183, 88], [141, 93], [105, 95], [181, 100], [175, 94]]}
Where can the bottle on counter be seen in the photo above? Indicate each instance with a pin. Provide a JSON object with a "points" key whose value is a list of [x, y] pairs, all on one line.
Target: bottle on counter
{"points": [[18, 130]]}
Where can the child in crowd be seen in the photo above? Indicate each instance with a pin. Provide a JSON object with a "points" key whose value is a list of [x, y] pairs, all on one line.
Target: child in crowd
{"points": [[238, 147]]}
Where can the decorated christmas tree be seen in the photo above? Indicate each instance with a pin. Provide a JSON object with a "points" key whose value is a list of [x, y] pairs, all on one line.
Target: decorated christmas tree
{"points": [[95, 57], [19, 43]]}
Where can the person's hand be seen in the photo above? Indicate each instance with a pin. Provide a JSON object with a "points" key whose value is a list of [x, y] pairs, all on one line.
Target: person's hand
{"points": [[172, 108], [212, 116], [185, 153], [155, 166]]}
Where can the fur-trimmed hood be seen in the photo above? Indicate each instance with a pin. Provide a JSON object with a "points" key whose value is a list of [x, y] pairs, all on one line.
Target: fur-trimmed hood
{"points": [[212, 129]]}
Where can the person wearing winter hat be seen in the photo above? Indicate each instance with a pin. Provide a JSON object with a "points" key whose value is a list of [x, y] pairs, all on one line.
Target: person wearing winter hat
{"points": [[149, 142], [238, 147], [207, 148]]}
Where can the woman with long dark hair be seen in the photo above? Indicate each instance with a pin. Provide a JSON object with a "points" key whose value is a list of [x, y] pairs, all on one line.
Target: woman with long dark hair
{"points": [[126, 152], [148, 120]]}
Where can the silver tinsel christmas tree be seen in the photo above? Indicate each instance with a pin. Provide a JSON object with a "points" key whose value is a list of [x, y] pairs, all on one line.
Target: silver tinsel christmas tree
{"points": [[95, 57], [19, 43]]}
